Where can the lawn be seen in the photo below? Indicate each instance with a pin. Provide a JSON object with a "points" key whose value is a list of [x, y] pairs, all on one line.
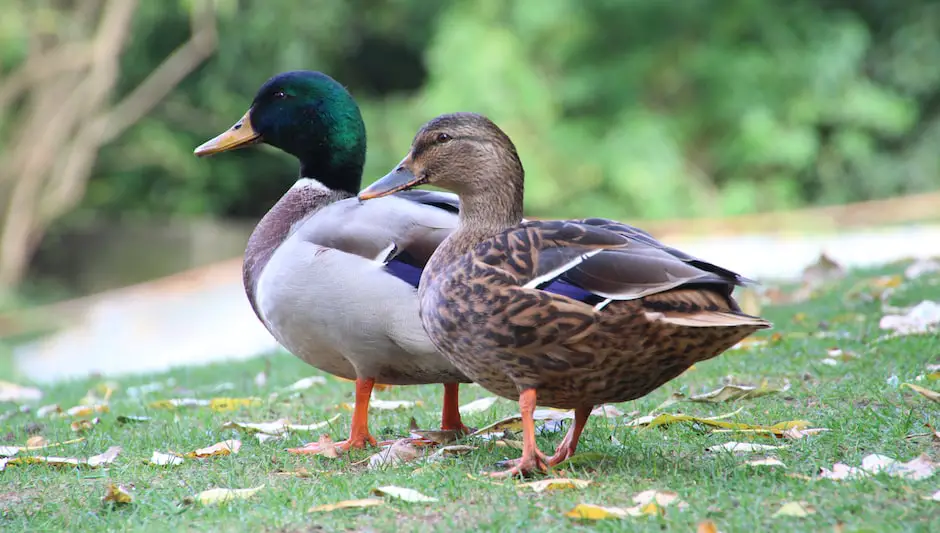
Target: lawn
{"points": [[860, 400]]}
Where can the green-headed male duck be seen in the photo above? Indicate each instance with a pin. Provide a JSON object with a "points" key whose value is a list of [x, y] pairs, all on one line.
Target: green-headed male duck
{"points": [[332, 279], [641, 312]]}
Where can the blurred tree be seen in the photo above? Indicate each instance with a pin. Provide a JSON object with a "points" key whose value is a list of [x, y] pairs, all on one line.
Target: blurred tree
{"points": [[56, 113], [620, 108]]}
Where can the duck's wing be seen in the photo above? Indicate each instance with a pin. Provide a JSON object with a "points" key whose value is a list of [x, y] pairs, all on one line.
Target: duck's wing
{"points": [[399, 231], [605, 258]]}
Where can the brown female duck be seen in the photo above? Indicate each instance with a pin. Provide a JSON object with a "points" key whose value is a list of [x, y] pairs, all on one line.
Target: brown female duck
{"points": [[332, 279], [566, 313]]}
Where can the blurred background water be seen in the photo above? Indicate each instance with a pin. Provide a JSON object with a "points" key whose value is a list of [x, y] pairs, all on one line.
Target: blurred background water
{"points": [[672, 115]]}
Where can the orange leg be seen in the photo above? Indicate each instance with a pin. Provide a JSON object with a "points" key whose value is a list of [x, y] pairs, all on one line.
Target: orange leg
{"points": [[359, 435], [570, 443], [532, 459], [450, 417]]}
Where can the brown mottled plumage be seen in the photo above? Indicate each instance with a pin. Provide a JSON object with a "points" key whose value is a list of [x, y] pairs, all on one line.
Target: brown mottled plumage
{"points": [[489, 297]]}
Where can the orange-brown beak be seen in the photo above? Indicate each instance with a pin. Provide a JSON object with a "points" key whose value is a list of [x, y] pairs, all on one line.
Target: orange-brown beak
{"points": [[400, 179], [239, 135]]}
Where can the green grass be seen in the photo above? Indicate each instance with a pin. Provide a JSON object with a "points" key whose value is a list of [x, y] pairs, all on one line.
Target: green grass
{"points": [[865, 412]]}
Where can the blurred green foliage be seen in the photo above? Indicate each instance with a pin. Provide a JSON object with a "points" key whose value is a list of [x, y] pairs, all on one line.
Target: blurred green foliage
{"points": [[619, 108]]}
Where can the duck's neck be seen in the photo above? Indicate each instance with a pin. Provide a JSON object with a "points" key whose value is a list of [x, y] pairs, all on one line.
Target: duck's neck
{"points": [[337, 174], [486, 209], [303, 199]]}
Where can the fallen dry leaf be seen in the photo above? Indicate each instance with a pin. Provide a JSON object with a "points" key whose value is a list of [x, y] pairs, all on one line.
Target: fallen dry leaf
{"points": [[478, 406], [589, 511], [514, 422], [544, 485], [277, 427], [795, 509], [934, 497], [347, 504], [921, 318], [742, 447], [400, 452], [926, 393], [920, 467], [729, 393], [451, 451], [11, 392], [779, 429], [836, 356], [118, 494], [165, 459], [403, 494], [765, 461], [94, 461], [36, 442], [86, 410], [706, 526], [648, 502], [216, 404], [218, 495], [438, 436], [823, 271], [83, 425], [225, 447]]}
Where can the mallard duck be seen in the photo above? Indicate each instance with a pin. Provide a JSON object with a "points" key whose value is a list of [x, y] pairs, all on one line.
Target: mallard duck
{"points": [[332, 279], [638, 315]]}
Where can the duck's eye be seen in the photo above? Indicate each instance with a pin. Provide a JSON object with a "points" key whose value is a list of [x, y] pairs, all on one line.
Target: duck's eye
{"points": [[280, 95], [443, 138]]}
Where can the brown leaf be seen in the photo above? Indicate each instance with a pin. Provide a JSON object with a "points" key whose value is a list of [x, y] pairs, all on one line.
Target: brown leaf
{"points": [[706, 526], [400, 452], [117, 494], [925, 392], [36, 442], [740, 392], [327, 447]]}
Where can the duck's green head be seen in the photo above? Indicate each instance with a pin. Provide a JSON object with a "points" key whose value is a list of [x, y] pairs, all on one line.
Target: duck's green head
{"points": [[308, 115]]}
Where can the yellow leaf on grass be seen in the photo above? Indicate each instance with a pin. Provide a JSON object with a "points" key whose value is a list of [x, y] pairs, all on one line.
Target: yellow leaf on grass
{"points": [[729, 393], [926, 393], [79, 426], [36, 442], [117, 494], [795, 509], [347, 504], [277, 427], [94, 461], [648, 503], [588, 511], [86, 410], [403, 494], [779, 428], [556, 484], [225, 447], [220, 495], [216, 404]]}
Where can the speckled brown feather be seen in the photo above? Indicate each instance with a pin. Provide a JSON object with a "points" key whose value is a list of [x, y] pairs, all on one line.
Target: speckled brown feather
{"points": [[482, 305]]}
